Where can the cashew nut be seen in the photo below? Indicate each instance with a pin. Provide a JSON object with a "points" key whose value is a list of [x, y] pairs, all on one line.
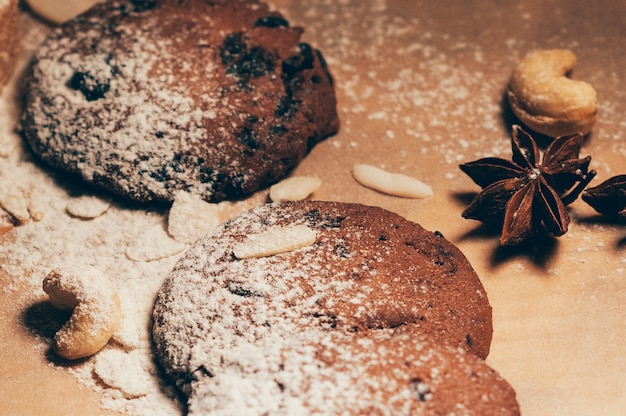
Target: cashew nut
{"points": [[96, 310], [544, 99]]}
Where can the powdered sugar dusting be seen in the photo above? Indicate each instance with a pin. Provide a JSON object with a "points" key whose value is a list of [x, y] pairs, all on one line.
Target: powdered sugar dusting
{"points": [[389, 82]]}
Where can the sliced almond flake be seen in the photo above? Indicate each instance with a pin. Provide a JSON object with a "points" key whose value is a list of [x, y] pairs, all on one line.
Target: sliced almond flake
{"points": [[60, 11], [396, 184], [122, 371], [275, 241], [127, 335], [154, 244], [191, 217], [13, 201], [295, 188], [87, 207]]}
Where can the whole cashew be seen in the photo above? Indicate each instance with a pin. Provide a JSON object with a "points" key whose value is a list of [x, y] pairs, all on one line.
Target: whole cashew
{"points": [[96, 310], [544, 99]]}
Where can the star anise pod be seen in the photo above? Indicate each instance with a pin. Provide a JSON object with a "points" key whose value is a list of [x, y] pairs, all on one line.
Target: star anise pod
{"points": [[526, 195], [608, 198]]}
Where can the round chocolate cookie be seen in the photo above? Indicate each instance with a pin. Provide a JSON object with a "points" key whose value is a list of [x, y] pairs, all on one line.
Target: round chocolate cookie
{"points": [[336, 374], [146, 98], [272, 283]]}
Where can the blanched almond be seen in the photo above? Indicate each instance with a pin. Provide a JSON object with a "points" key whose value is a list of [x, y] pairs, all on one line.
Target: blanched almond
{"points": [[396, 184], [295, 188], [275, 241]]}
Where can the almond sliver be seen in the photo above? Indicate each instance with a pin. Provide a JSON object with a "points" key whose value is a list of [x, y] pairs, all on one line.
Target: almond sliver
{"points": [[295, 188], [396, 184], [275, 241]]}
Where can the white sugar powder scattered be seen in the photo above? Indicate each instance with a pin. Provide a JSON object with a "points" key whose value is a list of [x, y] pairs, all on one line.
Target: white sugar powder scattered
{"points": [[403, 74], [131, 245]]}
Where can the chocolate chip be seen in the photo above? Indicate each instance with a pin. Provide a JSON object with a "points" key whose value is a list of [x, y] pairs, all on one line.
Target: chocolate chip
{"points": [[231, 48], [91, 86], [255, 63], [287, 107], [244, 61], [342, 251], [143, 5], [236, 186], [251, 118], [277, 131], [297, 63], [324, 66], [239, 291], [248, 138], [420, 390]]}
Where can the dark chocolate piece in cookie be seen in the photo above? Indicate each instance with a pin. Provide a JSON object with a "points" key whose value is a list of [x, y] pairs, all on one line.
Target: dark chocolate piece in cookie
{"points": [[146, 98], [225, 321]]}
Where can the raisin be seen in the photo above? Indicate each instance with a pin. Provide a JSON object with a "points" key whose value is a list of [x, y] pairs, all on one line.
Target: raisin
{"points": [[271, 21]]}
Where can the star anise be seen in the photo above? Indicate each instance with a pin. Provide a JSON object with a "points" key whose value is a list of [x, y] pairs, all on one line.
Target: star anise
{"points": [[524, 195], [608, 198]]}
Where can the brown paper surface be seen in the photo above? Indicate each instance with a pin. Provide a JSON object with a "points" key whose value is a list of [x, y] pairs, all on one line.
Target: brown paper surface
{"points": [[420, 88]]}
